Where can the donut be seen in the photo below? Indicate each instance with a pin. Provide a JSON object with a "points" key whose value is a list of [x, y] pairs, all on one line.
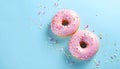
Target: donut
{"points": [[65, 23], [83, 45]]}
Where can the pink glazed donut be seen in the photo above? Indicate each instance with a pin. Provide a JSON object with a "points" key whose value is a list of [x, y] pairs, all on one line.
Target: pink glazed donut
{"points": [[83, 45], [65, 23]]}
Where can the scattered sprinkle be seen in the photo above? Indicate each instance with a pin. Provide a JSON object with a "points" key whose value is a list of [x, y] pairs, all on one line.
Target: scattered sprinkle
{"points": [[72, 62], [106, 61], [53, 40], [43, 13], [111, 57], [40, 26], [96, 14], [86, 26], [40, 6], [115, 44], [39, 12], [96, 64], [93, 31], [100, 36], [115, 55], [116, 49], [56, 4], [44, 7]]}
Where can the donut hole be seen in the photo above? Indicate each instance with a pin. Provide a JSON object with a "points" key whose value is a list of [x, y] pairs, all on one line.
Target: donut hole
{"points": [[83, 44], [65, 22]]}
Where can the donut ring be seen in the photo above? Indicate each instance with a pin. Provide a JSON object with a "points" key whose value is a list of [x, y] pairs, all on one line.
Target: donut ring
{"points": [[83, 45], [65, 23]]}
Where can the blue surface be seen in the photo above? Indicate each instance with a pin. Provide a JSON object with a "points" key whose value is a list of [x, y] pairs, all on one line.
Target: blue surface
{"points": [[26, 41]]}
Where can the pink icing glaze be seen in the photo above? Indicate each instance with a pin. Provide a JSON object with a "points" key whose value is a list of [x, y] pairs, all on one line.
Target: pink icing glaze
{"points": [[83, 45], [72, 19]]}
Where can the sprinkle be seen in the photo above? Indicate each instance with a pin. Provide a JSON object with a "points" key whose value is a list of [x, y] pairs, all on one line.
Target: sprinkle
{"points": [[39, 12], [50, 46], [111, 57], [44, 7], [49, 26], [115, 44], [106, 61], [39, 6], [118, 59], [53, 40], [62, 50], [50, 38], [86, 26], [74, 24], [68, 56], [96, 14], [56, 4], [115, 55], [72, 62], [100, 36], [43, 13], [111, 60], [116, 50], [97, 64], [40, 26]]}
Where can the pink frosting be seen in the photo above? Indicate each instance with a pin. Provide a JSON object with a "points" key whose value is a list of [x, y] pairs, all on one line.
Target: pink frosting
{"points": [[73, 22], [92, 44]]}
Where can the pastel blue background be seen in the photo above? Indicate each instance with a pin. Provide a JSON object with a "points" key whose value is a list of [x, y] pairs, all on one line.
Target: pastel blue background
{"points": [[26, 41]]}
